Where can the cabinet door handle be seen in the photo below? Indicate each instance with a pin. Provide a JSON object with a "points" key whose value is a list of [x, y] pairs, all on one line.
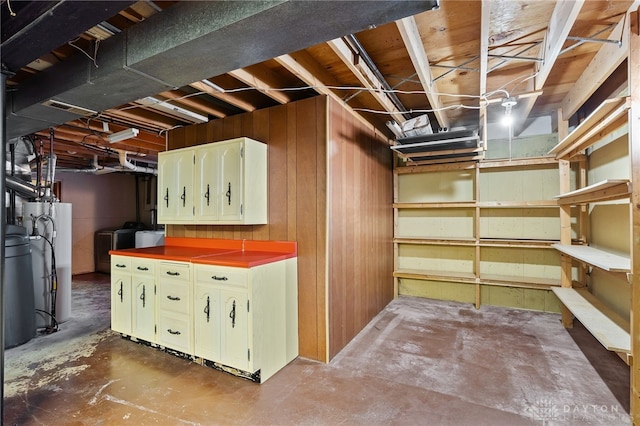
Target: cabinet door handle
{"points": [[229, 194], [217, 278], [142, 268], [174, 298], [232, 315], [173, 274], [142, 296], [173, 332], [120, 265], [120, 292], [206, 309], [166, 197], [183, 197], [206, 194]]}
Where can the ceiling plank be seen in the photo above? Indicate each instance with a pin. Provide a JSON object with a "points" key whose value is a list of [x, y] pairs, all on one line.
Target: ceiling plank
{"points": [[564, 16], [264, 84], [313, 74], [604, 63], [366, 77], [415, 47], [226, 97]]}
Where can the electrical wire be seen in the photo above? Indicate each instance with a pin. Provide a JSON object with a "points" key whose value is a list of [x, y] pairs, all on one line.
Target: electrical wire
{"points": [[11, 12]]}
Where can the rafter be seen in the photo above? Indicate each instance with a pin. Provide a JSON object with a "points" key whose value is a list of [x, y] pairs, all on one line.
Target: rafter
{"points": [[179, 97], [366, 77], [415, 47], [264, 83]]}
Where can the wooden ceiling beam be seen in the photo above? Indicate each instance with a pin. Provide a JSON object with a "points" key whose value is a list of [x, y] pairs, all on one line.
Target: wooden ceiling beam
{"points": [[415, 47], [603, 64], [564, 16], [307, 69], [143, 117], [178, 96], [264, 83], [226, 97], [366, 77]]}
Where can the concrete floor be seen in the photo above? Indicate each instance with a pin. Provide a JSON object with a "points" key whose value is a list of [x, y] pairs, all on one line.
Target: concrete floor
{"points": [[418, 362]]}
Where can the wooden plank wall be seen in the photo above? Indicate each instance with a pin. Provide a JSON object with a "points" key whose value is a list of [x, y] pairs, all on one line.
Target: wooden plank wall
{"points": [[296, 136], [345, 230], [360, 229]]}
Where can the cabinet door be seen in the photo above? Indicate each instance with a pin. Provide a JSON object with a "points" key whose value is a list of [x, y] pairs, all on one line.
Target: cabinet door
{"points": [[207, 322], [231, 190], [144, 321], [175, 186], [208, 198], [121, 303], [234, 345]]}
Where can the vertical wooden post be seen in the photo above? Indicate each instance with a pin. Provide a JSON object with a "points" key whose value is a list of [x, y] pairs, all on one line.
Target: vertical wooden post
{"points": [[634, 155], [396, 281], [564, 168], [476, 232]]}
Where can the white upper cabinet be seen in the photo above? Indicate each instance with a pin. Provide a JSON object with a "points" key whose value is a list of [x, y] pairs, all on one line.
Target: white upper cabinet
{"points": [[229, 183]]}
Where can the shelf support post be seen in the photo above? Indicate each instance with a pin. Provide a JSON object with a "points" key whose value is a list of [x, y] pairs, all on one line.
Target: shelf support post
{"points": [[634, 155], [564, 168]]}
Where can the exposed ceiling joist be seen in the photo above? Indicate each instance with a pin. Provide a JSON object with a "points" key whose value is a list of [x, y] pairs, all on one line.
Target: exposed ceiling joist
{"points": [[262, 83], [223, 96], [562, 20], [182, 98], [415, 47], [484, 64], [366, 77], [604, 63], [308, 70]]}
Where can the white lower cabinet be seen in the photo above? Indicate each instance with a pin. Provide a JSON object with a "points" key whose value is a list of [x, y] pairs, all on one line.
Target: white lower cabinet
{"points": [[239, 319], [143, 321], [121, 294]]}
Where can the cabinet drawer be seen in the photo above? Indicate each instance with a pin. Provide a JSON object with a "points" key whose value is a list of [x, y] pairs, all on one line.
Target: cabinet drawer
{"points": [[174, 331], [222, 275], [179, 271], [174, 297], [120, 264], [143, 266]]}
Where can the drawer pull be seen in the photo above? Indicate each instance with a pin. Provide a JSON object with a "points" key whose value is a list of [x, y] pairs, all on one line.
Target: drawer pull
{"points": [[173, 332], [174, 298], [142, 268], [173, 274], [120, 265], [217, 278], [120, 293]]}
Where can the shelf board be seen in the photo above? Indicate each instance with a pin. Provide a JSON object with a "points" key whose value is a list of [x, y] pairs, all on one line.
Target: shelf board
{"points": [[436, 205], [515, 281], [610, 189], [437, 241], [517, 204], [582, 136], [608, 328], [452, 276], [518, 162], [503, 242], [598, 258]]}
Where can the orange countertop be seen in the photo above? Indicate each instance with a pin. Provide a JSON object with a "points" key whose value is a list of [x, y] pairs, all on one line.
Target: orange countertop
{"points": [[238, 253]]}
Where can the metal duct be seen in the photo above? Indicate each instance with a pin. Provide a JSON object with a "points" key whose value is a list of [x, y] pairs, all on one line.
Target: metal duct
{"points": [[26, 190], [175, 48]]}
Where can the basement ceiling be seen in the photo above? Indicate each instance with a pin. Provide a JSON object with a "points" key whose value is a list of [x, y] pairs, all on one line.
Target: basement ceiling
{"points": [[91, 69]]}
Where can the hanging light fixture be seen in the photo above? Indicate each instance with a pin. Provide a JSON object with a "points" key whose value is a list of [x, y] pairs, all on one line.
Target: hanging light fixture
{"points": [[508, 104]]}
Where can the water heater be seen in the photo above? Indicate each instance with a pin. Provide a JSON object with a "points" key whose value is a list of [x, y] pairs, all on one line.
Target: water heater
{"points": [[53, 223]]}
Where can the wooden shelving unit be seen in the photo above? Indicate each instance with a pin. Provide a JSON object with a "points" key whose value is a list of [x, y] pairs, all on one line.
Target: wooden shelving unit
{"points": [[462, 249], [611, 330]]}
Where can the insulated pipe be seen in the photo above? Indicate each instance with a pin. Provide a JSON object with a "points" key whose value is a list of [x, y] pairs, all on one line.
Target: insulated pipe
{"points": [[128, 165], [12, 194], [23, 188]]}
